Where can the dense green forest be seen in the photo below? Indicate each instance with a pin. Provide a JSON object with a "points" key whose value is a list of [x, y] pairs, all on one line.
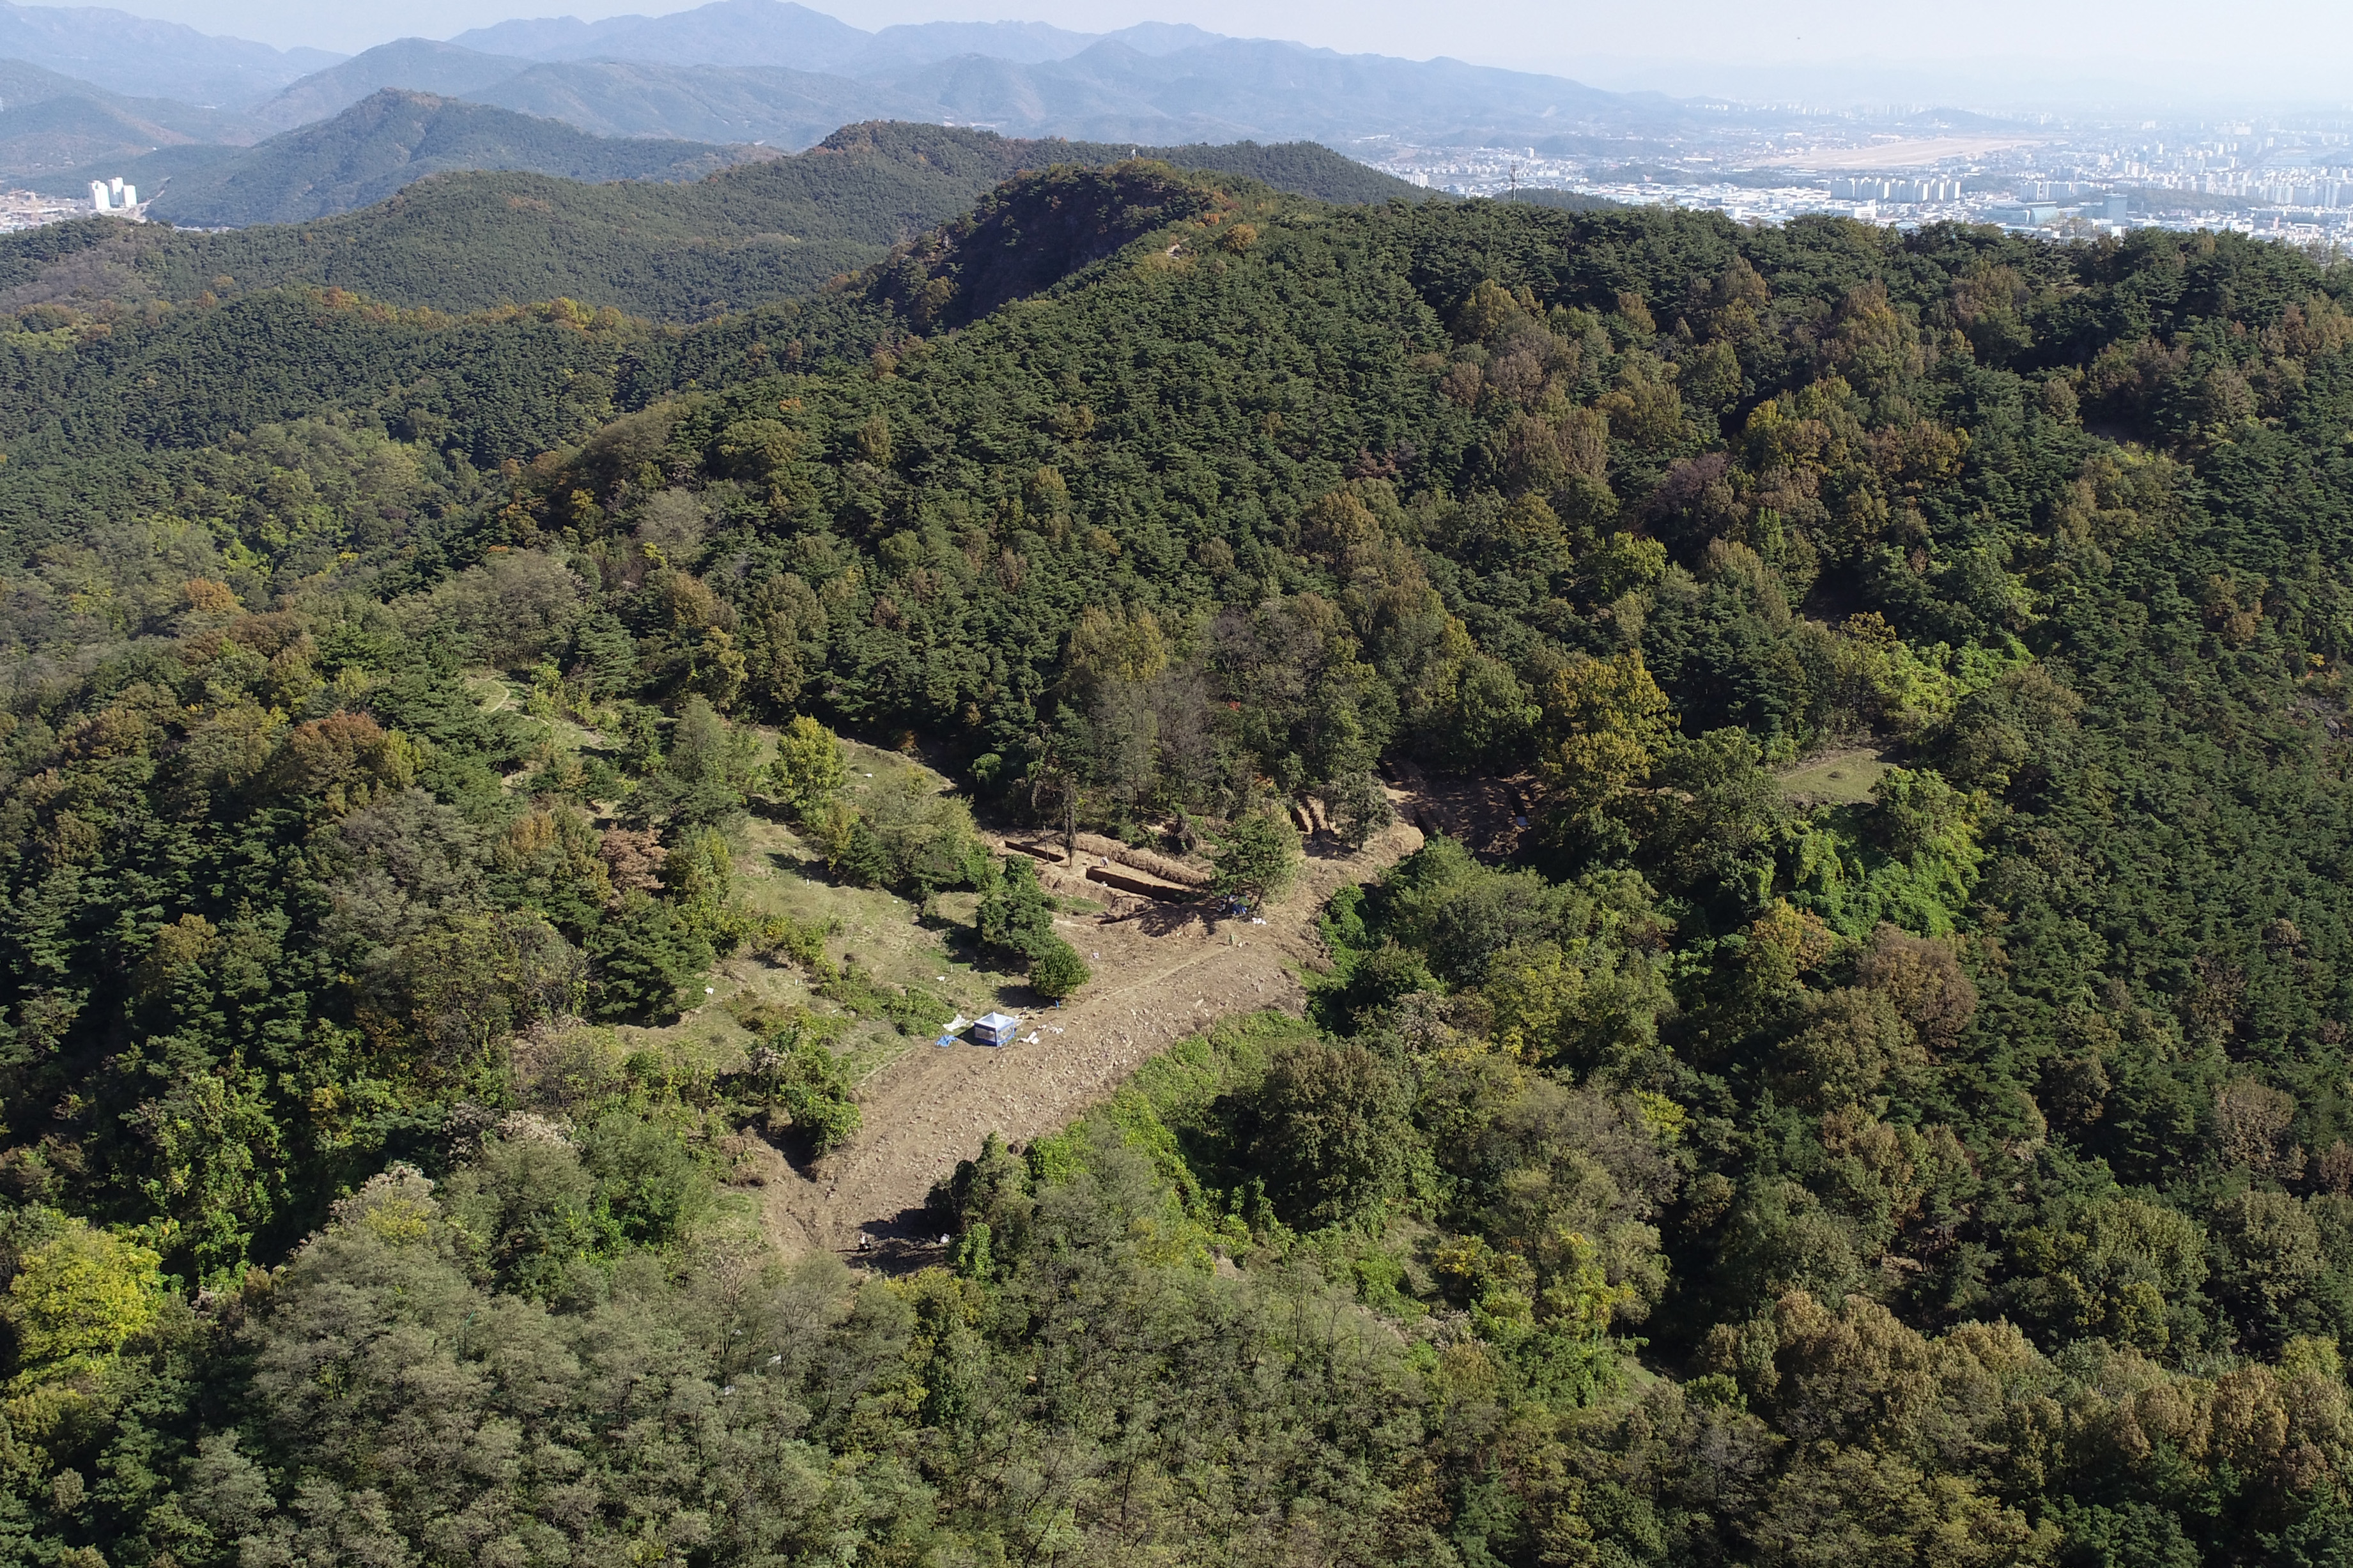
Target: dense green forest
{"points": [[1565, 201], [758, 234], [1894, 1109]]}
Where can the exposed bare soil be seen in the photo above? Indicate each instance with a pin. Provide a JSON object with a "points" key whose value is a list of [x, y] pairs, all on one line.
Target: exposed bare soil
{"points": [[1161, 971], [1491, 816]]}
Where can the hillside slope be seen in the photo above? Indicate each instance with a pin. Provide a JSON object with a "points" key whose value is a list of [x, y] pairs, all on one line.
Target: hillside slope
{"points": [[1236, 87], [269, 355], [1032, 232], [784, 107], [415, 65], [40, 140], [775, 71], [1868, 1085], [129, 54], [758, 232], [1300, 168], [54, 122], [395, 138]]}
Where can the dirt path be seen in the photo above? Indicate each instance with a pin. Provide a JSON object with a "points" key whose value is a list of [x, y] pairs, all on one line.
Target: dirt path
{"points": [[1161, 975]]}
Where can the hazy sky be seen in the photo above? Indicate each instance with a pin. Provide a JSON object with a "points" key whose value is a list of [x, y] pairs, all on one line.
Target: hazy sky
{"points": [[2297, 46]]}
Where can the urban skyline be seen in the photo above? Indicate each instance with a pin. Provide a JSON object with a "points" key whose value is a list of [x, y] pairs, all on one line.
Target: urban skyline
{"points": [[2292, 181]]}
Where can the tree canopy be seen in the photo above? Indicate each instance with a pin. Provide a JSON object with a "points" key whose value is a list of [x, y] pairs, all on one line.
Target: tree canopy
{"points": [[1888, 1100]]}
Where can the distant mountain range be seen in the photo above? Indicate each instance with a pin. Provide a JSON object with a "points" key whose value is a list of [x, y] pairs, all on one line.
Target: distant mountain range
{"points": [[780, 107], [1250, 87], [712, 82], [767, 104], [772, 71], [779, 33], [392, 138], [711, 73], [420, 65], [123, 53], [50, 123]]}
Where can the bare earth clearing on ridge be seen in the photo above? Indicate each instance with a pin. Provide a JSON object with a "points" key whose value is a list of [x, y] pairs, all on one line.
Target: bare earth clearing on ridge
{"points": [[1160, 975], [1162, 971]]}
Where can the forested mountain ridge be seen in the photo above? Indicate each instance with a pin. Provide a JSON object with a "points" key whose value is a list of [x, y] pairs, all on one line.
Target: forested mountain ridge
{"points": [[125, 53], [412, 65], [53, 122], [1940, 1154], [782, 75], [81, 395], [758, 233], [392, 138], [761, 63]]}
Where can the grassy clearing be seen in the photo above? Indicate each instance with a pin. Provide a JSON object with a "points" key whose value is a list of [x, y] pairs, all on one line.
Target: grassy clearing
{"points": [[560, 745], [493, 691], [779, 872], [1839, 778]]}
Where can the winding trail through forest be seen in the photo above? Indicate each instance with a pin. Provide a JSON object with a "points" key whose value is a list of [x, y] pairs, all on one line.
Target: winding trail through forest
{"points": [[1161, 974]]}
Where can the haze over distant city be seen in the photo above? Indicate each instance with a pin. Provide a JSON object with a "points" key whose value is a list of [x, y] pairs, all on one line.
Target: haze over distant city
{"points": [[235, 112]]}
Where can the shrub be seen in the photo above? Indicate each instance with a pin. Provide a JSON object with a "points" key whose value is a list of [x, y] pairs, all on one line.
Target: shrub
{"points": [[795, 1072], [1258, 858], [643, 959], [913, 1011], [1056, 970], [702, 781], [1015, 915], [808, 770], [1334, 1138], [803, 941]]}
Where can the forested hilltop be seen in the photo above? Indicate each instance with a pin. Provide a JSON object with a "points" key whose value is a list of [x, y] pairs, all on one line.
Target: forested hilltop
{"points": [[1893, 1106], [393, 139], [758, 234]]}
